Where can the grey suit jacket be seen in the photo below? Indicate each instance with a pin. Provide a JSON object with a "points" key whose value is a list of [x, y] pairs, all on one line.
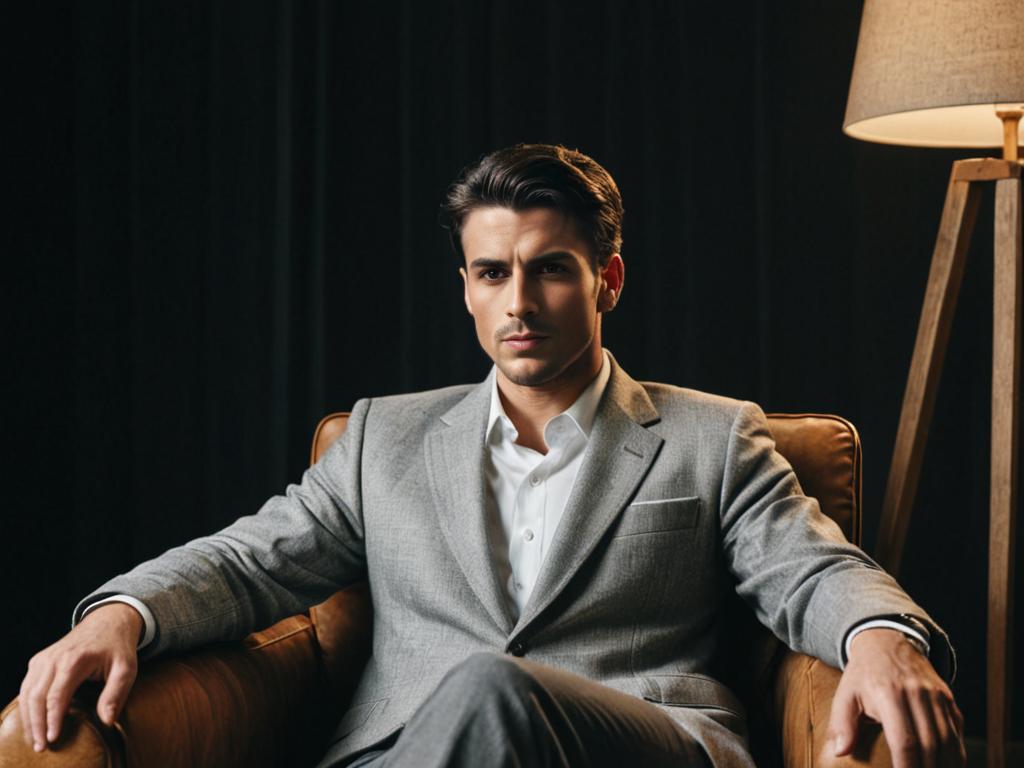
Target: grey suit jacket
{"points": [[680, 500]]}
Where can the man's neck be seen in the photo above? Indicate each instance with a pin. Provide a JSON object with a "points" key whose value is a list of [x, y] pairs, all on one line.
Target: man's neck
{"points": [[530, 408]]}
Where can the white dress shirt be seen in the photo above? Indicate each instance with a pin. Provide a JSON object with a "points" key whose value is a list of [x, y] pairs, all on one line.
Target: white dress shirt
{"points": [[527, 490]]}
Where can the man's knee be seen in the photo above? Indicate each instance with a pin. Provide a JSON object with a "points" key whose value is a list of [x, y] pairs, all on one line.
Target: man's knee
{"points": [[484, 711], [487, 674]]}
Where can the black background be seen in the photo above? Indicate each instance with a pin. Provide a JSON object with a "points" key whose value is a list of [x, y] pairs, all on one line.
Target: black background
{"points": [[224, 225]]}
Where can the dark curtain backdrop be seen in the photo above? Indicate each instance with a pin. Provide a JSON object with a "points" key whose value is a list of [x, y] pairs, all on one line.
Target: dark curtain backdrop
{"points": [[226, 225]]}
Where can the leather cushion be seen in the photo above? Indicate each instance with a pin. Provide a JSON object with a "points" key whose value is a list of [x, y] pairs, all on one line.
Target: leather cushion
{"points": [[826, 456]]}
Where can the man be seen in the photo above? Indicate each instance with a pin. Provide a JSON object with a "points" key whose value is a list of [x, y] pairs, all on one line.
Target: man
{"points": [[549, 551]]}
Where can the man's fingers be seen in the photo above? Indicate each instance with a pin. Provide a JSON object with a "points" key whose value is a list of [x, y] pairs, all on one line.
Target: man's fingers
{"points": [[927, 727], [66, 680], [26, 726], [35, 703], [898, 727], [119, 682], [958, 718], [23, 709], [954, 751], [842, 722], [945, 732]]}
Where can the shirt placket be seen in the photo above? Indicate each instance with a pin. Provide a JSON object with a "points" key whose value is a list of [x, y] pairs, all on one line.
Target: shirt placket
{"points": [[528, 527]]}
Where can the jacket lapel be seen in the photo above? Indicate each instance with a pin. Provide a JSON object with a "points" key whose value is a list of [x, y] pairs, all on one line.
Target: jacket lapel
{"points": [[455, 458], [617, 458]]}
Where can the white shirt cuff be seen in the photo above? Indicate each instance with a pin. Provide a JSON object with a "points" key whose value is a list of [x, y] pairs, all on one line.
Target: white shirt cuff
{"points": [[883, 624], [138, 605]]}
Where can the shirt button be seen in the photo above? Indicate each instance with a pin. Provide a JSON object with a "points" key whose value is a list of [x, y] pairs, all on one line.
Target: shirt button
{"points": [[534, 480], [518, 648], [528, 534], [518, 586]]}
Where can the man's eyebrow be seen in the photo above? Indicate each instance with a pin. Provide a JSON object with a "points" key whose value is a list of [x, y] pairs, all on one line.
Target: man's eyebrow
{"points": [[545, 258], [489, 263], [552, 256]]}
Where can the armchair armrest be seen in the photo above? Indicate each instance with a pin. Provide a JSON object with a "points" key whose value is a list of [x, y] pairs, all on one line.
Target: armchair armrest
{"points": [[84, 741], [804, 688], [251, 703]]}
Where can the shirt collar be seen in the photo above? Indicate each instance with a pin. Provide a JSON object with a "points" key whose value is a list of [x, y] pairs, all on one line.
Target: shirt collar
{"points": [[582, 412]]}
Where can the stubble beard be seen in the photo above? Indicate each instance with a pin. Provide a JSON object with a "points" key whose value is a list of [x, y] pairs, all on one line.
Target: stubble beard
{"points": [[532, 379], [548, 372]]}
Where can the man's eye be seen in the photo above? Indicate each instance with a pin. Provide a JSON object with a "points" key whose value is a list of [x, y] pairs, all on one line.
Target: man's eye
{"points": [[554, 268], [490, 274]]}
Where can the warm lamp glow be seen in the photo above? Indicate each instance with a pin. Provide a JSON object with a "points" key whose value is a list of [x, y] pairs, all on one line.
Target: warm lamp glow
{"points": [[931, 73], [974, 125]]}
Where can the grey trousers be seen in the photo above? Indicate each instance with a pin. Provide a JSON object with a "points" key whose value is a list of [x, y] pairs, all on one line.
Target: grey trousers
{"points": [[495, 710]]}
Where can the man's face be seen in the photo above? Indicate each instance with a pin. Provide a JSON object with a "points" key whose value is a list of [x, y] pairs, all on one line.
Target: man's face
{"points": [[528, 274]]}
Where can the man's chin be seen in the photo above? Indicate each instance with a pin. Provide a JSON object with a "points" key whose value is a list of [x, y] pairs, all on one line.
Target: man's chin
{"points": [[532, 374]]}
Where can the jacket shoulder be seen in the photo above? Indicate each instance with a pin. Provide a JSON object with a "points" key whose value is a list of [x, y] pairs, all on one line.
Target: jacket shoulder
{"points": [[427, 404], [675, 402], [702, 418]]}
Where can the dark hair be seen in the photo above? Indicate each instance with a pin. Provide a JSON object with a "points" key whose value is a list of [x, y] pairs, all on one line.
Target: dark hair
{"points": [[541, 176]]}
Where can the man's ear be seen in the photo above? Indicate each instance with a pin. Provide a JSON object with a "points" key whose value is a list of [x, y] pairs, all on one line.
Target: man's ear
{"points": [[612, 277], [465, 289]]}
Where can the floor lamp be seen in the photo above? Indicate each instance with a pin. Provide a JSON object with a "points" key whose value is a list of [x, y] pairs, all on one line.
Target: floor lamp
{"points": [[950, 73]]}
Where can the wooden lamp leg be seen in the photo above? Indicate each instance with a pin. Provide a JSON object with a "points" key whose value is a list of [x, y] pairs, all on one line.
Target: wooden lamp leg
{"points": [[958, 216], [1006, 351]]}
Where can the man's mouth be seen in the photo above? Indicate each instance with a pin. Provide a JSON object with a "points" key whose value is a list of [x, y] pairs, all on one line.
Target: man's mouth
{"points": [[524, 340]]}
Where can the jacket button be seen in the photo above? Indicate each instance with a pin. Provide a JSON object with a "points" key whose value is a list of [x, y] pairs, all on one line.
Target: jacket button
{"points": [[517, 648]]}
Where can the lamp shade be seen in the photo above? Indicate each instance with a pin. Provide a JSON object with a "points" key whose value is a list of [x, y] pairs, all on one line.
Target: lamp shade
{"points": [[930, 73]]}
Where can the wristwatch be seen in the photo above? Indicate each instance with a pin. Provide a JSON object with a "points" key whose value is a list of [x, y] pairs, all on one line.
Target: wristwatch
{"points": [[918, 626]]}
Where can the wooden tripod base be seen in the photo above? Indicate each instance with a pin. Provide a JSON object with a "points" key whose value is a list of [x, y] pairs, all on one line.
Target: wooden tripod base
{"points": [[958, 217]]}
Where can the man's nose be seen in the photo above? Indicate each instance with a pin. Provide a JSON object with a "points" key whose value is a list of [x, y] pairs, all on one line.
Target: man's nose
{"points": [[521, 301]]}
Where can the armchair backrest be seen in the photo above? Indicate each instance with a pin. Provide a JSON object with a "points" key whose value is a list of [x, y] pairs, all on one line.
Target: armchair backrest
{"points": [[824, 451]]}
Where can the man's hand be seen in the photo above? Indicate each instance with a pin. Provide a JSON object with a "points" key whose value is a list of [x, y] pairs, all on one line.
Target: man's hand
{"points": [[889, 681], [101, 647]]}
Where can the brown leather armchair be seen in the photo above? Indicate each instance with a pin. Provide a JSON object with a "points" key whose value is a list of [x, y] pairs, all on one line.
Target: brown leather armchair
{"points": [[272, 698]]}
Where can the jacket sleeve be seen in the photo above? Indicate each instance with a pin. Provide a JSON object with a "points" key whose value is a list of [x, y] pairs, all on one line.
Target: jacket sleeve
{"points": [[792, 564], [296, 551]]}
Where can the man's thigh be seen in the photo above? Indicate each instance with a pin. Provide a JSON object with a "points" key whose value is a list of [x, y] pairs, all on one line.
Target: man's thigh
{"points": [[494, 709], [615, 728]]}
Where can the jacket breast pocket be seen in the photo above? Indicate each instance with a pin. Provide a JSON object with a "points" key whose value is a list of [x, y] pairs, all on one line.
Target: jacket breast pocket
{"points": [[659, 516]]}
